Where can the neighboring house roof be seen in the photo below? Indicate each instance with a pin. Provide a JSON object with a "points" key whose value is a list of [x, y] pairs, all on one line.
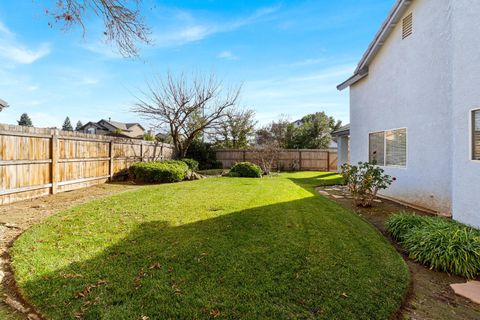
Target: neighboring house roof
{"points": [[342, 131], [387, 27], [92, 124], [3, 104], [118, 125], [121, 125]]}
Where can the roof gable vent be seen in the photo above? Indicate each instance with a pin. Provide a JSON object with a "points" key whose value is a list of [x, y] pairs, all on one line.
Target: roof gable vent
{"points": [[407, 26]]}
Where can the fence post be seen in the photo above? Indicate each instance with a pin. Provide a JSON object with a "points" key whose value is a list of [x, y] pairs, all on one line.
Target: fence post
{"points": [[141, 151], [299, 160], [328, 160], [54, 155], [244, 156], [111, 155]]}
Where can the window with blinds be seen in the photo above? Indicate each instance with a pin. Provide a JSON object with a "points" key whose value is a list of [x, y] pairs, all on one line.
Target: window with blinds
{"points": [[396, 147], [377, 148], [476, 134], [389, 148]]}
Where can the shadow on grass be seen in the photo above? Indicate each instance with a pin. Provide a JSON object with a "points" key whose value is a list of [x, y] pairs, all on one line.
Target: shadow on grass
{"points": [[301, 259], [320, 180]]}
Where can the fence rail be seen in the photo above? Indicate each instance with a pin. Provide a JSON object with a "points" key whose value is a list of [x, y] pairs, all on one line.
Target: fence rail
{"points": [[288, 159], [36, 162]]}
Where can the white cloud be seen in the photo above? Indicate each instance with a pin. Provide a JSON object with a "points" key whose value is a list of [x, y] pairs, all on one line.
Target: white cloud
{"points": [[227, 55], [103, 49], [300, 94], [192, 30], [13, 51]]}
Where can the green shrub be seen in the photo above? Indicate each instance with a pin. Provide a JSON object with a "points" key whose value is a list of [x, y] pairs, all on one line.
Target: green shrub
{"points": [[438, 243], [217, 164], [364, 181], [157, 172], [204, 153], [246, 169], [398, 225], [191, 163]]}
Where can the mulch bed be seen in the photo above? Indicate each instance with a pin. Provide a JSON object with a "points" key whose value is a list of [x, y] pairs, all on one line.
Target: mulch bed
{"points": [[430, 294]]}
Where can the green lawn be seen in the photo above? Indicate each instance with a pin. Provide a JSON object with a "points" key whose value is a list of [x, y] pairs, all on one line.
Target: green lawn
{"points": [[226, 248]]}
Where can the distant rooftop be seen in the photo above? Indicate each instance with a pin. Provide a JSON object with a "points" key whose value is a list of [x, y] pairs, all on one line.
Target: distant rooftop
{"points": [[342, 131], [3, 104]]}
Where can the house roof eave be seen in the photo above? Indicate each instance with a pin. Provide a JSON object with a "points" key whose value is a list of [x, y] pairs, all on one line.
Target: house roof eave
{"points": [[386, 29]]}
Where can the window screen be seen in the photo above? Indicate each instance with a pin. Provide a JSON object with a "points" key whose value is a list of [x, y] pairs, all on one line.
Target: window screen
{"points": [[476, 135], [377, 148], [396, 147]]}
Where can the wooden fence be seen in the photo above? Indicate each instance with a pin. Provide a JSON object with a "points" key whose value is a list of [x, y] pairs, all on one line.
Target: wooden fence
{"points": [[290, 159], [36, 162]]}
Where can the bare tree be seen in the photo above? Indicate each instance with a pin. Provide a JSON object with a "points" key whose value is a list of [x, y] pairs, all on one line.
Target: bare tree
{"points": [[186, 107], [267, 156], [123, 23]]}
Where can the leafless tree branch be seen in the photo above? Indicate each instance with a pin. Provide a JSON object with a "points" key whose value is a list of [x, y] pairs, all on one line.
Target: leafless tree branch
{"points": [[186, 107], [124, 25]]}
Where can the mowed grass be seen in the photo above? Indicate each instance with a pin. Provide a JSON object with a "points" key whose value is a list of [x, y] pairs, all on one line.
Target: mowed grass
{"points": [[225, 248]]}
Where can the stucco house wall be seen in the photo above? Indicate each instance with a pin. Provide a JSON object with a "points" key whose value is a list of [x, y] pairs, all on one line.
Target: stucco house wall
{"points": [[465, 97], [408, 86]]}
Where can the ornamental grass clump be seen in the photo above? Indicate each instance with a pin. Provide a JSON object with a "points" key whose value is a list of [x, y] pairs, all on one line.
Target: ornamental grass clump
{"points": [[398, 225], [438, 243], [364, 181]]}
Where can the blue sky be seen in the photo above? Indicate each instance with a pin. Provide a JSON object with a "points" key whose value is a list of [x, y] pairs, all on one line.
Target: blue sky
{"points": [[289, 56]]}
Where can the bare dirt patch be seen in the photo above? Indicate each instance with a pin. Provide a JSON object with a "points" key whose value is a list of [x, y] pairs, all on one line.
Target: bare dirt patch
{"points": [[17, 217], [430, 295]]}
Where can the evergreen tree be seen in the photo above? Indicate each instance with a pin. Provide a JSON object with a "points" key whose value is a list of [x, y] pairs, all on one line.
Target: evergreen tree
{"points": [[67, 125], [25, 120], [79, 125]]}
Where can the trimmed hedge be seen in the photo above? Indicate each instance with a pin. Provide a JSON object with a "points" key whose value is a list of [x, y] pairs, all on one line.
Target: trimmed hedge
{"points": [[158, 172], [246, 170], [191, 163], [438, 243]]}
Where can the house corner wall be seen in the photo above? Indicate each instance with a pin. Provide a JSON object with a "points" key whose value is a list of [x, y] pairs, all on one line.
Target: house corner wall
{"points": [[465, 97], [408, 86]]}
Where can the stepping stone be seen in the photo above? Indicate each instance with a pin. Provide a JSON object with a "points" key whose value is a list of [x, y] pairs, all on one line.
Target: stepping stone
{"points": [[325, 193], [469, 290], [337, 197]]}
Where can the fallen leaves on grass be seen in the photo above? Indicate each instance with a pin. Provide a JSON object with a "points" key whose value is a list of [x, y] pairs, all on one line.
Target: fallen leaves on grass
{"points": [[215, 313], [155, 265], [72, 276], [138, 278], [88, 288]]}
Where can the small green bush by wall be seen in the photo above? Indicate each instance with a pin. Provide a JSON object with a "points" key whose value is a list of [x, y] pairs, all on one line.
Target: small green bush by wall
{"points": [[158, 172], [191, 163], [398, 225], [246, 170], [438, 243]]}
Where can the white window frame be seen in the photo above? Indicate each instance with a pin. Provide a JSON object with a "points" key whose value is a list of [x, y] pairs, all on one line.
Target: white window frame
{"points": [[385, 147], [470, 127]]}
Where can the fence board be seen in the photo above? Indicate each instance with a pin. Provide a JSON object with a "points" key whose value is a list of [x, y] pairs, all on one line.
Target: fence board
{"points": [[303, 159], [35, 162]]}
